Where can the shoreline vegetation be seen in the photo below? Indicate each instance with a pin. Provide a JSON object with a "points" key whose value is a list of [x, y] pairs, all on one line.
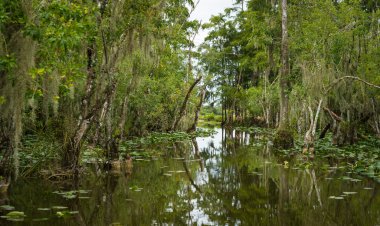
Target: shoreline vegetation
{"points": [[40, 153]]}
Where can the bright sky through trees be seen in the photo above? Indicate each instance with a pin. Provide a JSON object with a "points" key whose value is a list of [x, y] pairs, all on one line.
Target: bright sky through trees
{"points": [[204, 10]]}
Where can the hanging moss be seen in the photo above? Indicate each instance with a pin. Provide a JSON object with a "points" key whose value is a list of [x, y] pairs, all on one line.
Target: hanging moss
{"points": [[14, 85]]}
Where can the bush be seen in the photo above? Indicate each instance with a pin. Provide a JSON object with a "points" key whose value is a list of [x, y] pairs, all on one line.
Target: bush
{"points": [[283, 139]]}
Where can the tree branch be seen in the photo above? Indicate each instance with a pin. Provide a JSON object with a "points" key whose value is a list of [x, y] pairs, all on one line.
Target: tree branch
{"points": [[349, 77], [184, 103]]}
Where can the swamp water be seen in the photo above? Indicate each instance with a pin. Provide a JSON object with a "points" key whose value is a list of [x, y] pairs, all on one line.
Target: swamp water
{"points": [[231, 178]]}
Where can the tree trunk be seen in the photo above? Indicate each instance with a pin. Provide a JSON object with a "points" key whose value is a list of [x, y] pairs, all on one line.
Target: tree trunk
{"points": [[310, 134], [13, 87], [123, 116], [375, 118], [197, 110], [284, 83], [284, 138], [184, 104], [324, 131], [72, 148]]}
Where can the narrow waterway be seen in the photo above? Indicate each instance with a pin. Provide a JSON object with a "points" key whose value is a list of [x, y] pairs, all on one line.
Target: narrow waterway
{"points": [[231, 178]]}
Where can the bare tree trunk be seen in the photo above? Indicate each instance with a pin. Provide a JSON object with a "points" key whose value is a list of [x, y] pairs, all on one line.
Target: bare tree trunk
{"points": [[310, 134], [72, 149], [197, 110], [284, 83], [123, 116], [271, 72], [101, 105], [110, 141], [100, 121], [184, 104], [376, 118], [324, 131], [284, 138]]}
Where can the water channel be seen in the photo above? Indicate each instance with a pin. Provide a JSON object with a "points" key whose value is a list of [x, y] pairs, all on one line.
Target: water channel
{"points": [[230, 178]]}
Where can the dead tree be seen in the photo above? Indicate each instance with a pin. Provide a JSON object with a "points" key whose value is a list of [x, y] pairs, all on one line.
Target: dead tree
{"points": [[197, 110], [184, 104], [310, 133]]}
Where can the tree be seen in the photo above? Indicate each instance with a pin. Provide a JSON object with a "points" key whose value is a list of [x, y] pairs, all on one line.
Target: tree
{"points": [[284, 137]]}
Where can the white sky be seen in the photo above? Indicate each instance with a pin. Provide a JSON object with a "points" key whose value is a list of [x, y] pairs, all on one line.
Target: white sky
{"points": [[205, 9]]}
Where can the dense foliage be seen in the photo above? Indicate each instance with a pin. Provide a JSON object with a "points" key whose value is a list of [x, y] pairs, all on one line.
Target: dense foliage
{"points": [[100, 71], [93, 71], [333, 54]]}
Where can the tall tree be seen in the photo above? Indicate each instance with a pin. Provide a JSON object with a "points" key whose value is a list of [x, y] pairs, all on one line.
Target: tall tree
{"points": [[284, 74], [284, 137]]}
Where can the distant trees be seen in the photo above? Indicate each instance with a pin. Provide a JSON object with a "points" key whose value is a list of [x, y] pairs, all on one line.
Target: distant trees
{"points": [[327, 41]]}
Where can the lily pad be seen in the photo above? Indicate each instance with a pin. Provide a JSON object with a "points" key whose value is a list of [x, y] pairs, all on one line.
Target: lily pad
{"points": [[14, 216], [59, 207], [84, 191], [367, 188], [43, 209], [69, 196], [336, 197], [135, 188], [349, 192], [355, 180], [7, 207], [65, 213]]}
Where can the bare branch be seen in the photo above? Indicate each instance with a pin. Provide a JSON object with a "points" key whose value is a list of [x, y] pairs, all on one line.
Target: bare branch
{"points": [[349, 77]]}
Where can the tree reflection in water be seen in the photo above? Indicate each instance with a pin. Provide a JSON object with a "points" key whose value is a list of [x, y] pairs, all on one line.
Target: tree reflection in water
{"points": [[232, 178]]}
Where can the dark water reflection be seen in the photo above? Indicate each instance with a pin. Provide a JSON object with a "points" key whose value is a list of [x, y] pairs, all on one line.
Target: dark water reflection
{"points": [[231, 178]]}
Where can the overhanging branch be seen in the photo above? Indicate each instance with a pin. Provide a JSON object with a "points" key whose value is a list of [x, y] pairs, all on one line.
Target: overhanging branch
{"points": [[349, 77]]}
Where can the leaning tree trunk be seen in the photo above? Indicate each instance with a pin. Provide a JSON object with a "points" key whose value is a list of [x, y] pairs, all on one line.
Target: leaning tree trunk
{"points": [[310, 134], [89, 112], [376, 118], [184, 104], [72, 148], [197, 110]]}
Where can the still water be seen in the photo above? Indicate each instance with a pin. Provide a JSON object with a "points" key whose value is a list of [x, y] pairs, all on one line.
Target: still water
{"points": [[231, 178]]}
